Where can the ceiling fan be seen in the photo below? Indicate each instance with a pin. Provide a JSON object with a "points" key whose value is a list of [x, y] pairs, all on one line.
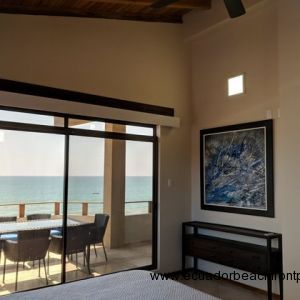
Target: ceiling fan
{"points": [[235, 8]]}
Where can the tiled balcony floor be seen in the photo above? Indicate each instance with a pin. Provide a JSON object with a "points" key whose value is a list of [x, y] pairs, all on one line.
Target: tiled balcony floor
{"points": [[127, 257]]}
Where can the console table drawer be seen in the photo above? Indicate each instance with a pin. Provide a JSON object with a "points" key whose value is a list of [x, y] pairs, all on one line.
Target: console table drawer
{"points": [[244, 256]]}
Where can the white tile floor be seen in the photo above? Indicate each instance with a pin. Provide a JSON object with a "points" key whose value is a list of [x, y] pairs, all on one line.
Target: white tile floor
{"points": [[127, 257]]}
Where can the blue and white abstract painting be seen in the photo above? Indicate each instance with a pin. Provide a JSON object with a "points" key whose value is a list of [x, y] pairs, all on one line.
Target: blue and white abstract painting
{"points": [[235, 169]]}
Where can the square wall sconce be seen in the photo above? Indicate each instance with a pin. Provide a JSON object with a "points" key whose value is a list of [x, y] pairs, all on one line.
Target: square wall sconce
{"points": [[236, 85]]}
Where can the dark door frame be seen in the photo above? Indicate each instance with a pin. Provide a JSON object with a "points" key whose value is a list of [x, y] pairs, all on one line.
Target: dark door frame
{"points": [[16, 88]]}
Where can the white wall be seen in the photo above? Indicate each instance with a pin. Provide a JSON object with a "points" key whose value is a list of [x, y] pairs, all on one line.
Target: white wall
{"points": [[265, 45], [143, 62], [233, 46], [247, 46], [289, 75]]}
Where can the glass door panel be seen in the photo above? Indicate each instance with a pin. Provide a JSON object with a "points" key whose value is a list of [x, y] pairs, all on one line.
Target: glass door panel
{"points": [[85, 200], [111, 190], [139, 200], [31, 204]]}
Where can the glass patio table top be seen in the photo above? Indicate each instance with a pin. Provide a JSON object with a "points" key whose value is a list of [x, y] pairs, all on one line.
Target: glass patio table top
{"points": [[10, 227]]}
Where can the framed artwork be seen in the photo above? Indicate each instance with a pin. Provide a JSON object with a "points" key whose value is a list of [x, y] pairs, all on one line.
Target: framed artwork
{"points": [[236, 164]]}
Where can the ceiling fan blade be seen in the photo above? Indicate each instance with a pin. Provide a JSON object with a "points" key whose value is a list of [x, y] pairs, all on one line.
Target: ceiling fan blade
{"points": [[162, 3], [235, 8]]}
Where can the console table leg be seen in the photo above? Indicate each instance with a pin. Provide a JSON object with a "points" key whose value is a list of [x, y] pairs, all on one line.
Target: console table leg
{"points": [[269, 275], [281, 268], [269, 278], [195, 263], [281, 286], [183, 264]]}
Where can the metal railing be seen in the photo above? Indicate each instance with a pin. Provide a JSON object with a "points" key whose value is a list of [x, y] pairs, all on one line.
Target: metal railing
{"points": [[58, 204]]}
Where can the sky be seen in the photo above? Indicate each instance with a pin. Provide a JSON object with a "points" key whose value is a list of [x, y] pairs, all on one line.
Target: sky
{"points": [[40, 154]]}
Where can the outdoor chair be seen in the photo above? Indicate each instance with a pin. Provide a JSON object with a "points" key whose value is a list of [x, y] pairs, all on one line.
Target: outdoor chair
{"points": [[100, 224], [44, 217], [34, 217], [7, 236], [31, 245], [78, 239], [38, 217]]}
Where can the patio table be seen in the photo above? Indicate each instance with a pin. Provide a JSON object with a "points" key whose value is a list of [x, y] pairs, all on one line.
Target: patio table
{"points": [[10, 227]]}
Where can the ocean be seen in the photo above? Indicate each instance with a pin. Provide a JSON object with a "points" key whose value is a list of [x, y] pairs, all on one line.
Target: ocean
{"points": [[41, 189]]}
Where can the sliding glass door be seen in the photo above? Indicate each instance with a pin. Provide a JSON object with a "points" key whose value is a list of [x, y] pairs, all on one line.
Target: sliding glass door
{"points": [[31, 188], [110, 188], [139, 201], [80, 193], [85, 199]]}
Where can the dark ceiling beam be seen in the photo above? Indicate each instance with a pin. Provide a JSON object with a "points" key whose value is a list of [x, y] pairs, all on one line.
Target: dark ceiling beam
{"points": [[185, 4], [151, 16]]}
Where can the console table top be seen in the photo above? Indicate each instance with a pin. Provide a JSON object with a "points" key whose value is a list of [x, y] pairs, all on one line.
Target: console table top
{"points": [[234, 230]]}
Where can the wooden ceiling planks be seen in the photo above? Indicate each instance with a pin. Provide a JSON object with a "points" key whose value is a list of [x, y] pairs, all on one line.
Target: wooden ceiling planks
{"points": [[139, 10]]}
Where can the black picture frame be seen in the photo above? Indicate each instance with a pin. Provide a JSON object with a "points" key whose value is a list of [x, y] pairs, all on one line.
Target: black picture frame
{"points": [[261, 202]]}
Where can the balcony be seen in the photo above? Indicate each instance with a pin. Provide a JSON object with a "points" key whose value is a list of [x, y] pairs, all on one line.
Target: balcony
{"points": [[97, 168], [135, 252]]}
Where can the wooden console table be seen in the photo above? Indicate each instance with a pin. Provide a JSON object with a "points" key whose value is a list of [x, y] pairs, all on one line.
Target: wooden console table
{"points": [[257, 259]]}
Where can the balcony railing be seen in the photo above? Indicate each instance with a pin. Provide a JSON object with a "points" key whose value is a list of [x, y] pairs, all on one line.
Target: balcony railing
{"points": [[57, 206]]}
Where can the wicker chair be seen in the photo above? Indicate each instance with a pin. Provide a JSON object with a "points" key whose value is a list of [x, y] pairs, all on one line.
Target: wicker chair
{"points": [[31, 245], [8, 219], [33, 217], [100, 224], [7, 236], [78, 238], [38, 217]]}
